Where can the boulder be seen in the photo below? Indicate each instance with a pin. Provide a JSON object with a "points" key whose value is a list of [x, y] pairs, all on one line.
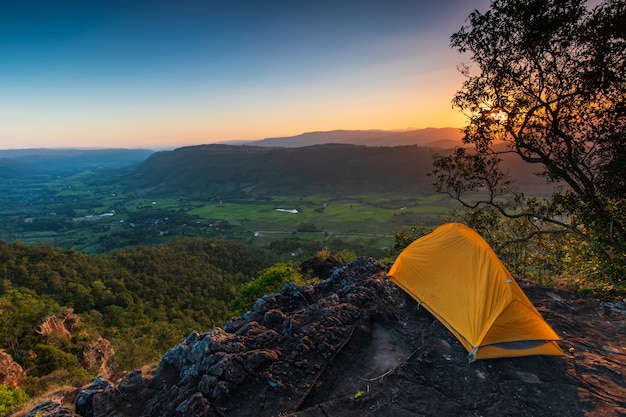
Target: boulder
{"points": [[10, 371], [99, 356]]}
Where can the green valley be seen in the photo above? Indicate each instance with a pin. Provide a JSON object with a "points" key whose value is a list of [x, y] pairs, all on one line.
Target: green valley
{"points": [[99, 210]]}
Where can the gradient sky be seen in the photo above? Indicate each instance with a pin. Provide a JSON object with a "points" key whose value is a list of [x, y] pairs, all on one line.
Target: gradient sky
{"points": [[109, 73]]}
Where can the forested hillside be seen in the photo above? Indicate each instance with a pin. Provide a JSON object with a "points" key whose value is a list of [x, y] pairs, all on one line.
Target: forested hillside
{"points": [[144, 299], [221, 171], [225, 169]]}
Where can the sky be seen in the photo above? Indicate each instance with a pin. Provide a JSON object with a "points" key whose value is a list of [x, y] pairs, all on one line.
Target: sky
{"points": [[139, 73]]}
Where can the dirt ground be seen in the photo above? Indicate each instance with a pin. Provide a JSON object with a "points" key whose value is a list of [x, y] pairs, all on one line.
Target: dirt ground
{"points": [[415, 367], [357, 345]]}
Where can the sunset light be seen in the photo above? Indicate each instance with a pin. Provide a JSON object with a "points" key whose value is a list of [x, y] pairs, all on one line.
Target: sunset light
{"points": [[312, 208], [144, 75], [498, 115]]}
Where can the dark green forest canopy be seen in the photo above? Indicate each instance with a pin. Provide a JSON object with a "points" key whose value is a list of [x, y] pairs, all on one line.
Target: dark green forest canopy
{"points": [[193, 267], [229, 171], [199, 170], [179, 287]]}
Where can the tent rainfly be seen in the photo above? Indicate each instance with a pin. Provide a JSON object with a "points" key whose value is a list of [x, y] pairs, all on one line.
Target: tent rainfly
{"points": [[459, 279]]}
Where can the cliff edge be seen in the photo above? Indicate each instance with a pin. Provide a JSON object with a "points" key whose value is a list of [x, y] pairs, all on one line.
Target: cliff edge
{"points": [[356, 345]]}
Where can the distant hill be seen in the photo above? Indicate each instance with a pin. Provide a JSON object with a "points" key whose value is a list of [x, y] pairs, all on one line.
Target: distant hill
{"points": [[230, 171], [19, 162], [430, 137]]}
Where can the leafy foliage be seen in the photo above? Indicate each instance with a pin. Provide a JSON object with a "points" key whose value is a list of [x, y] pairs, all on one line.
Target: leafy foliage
{"points": [[50, 358], [345, 256], [11, 399], [20, 312], [269, 281], [143, 299], [404, 238], [550, 93]]}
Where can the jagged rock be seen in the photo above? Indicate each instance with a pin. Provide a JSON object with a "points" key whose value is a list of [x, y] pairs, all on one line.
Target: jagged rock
{"points": [[99, 356], [321, 268], [10, 371], [87, 403], [354, 345], [196, 405], [72, 321], [50, 409], [131, 383], [54, 325], [60, 326]]}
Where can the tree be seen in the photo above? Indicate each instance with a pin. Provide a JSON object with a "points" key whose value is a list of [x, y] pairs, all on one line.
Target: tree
{"points": [[550, 90]]}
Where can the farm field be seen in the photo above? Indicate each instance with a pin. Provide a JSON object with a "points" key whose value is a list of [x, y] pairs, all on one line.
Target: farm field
{"points": [[347, 215], [367, 221], [91, 212]]}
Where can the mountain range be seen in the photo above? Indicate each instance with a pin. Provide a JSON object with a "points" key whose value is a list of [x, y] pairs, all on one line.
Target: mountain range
{"points": [[447, 137], [339, 162], [235, 171]]}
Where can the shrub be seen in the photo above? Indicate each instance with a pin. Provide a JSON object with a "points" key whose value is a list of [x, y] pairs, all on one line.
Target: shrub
{"points": [[50, 358], [323, 254], [345, 256], [11, 399], [56, 381], [270, 280]]}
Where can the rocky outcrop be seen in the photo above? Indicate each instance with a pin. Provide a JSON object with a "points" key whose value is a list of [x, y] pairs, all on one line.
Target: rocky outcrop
{"points": [[60, 326], [320, 267], [98, 356], [10, 371], [50, 409], [356, 345]]}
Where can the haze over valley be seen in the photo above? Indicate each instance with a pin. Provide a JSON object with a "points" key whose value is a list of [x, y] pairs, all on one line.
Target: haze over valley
{"points": [[349, 192]]}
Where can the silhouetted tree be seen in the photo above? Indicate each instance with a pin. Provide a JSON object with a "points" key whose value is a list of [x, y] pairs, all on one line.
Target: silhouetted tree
{"points": [[550, 90]]}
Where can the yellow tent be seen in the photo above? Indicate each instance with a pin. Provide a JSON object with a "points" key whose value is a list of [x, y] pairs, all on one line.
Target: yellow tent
{"points": [[458, 278]]}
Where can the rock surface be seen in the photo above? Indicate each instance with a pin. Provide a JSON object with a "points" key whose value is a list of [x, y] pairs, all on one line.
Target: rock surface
{"points": [[98, 356], [60, 326], [10, 371], [356, 345], [50, 409]]}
